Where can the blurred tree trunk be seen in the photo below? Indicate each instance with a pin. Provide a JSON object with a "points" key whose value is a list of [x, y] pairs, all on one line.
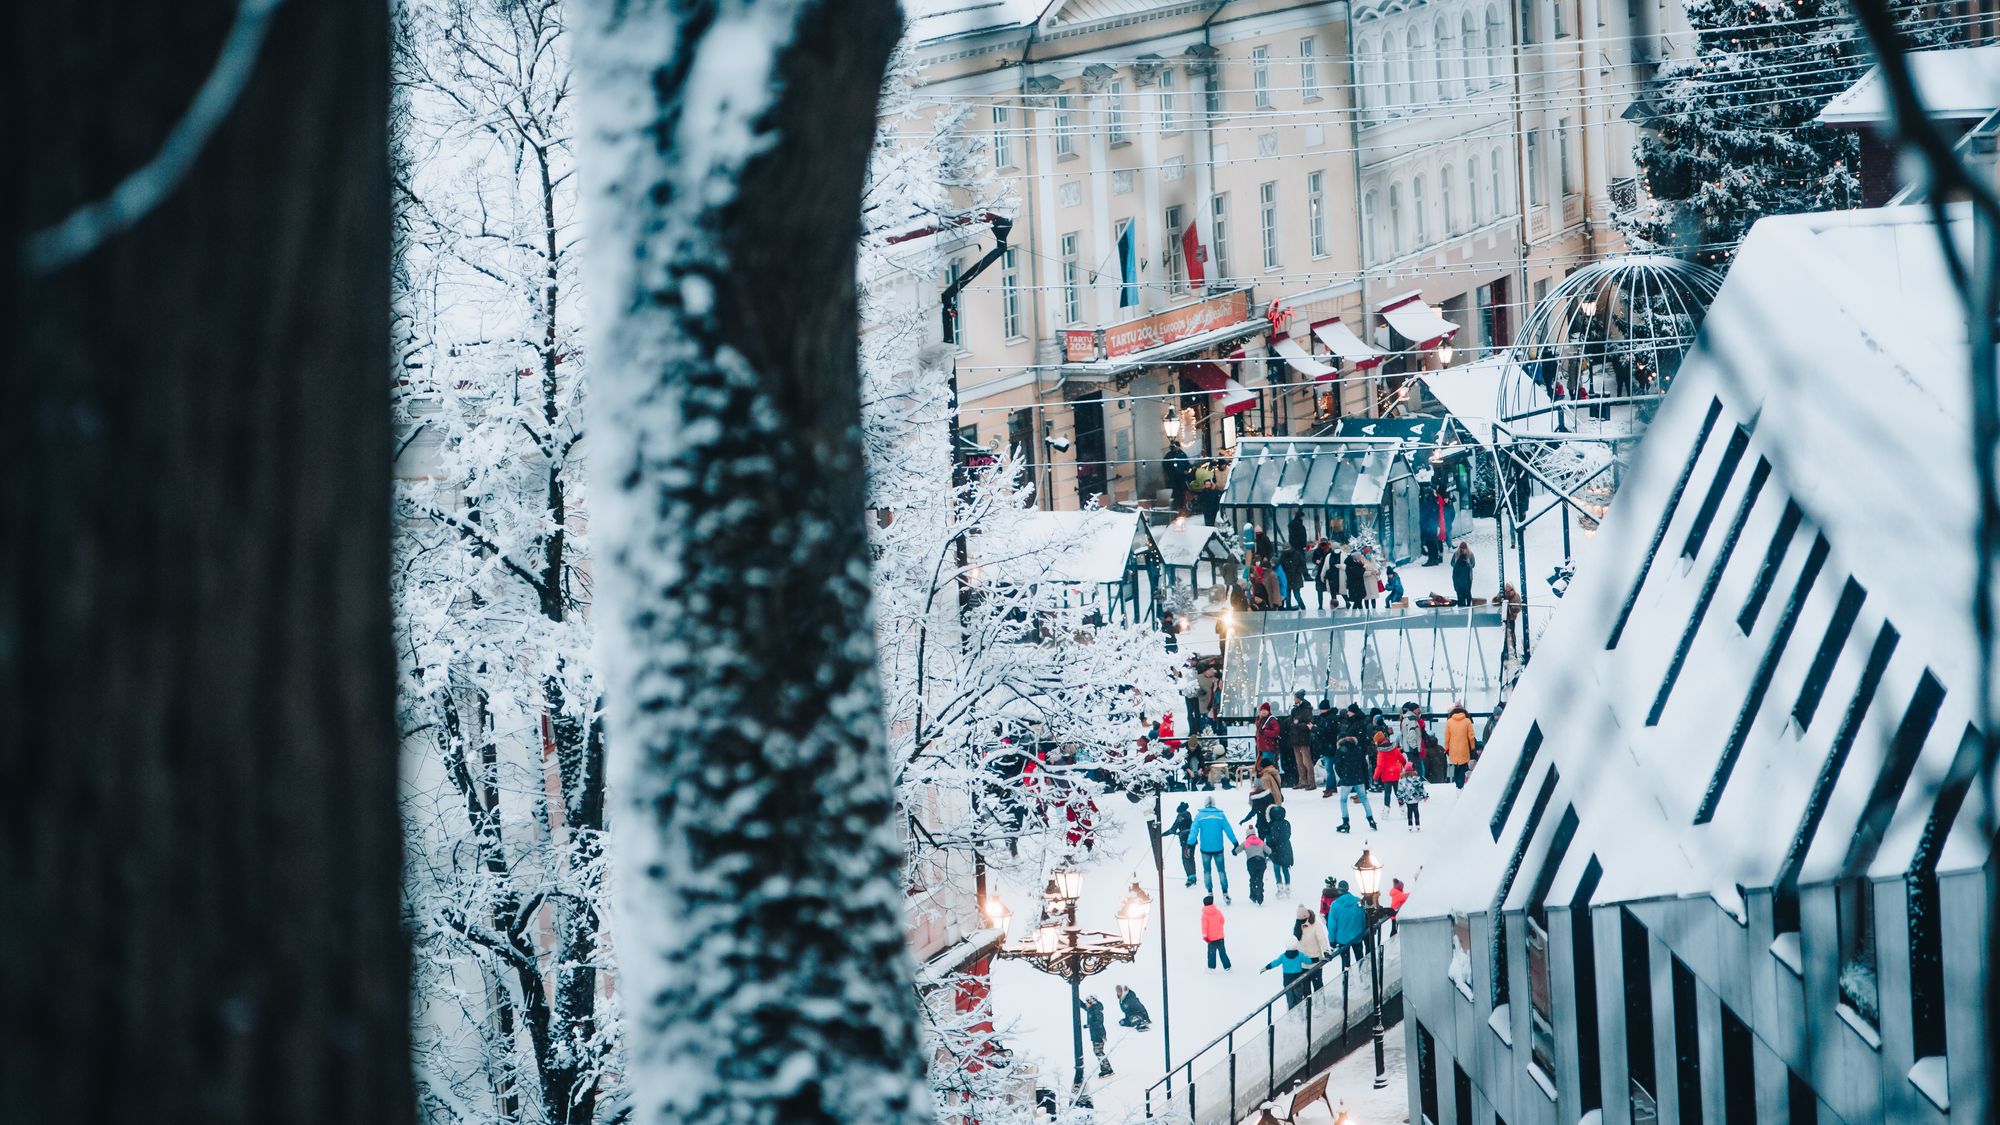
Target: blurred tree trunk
{"points": [[199, 845], [760, 931]]}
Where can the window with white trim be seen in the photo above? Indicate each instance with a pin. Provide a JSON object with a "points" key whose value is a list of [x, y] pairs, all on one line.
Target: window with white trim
{"points": [[1316, 212], [1534, 162], [1562, 153], [1175, 256], [1308, 68], [1114, 111], [1170, 103], [1444, 201], [1072, 295], [1370, 212], [1417, 210], [1468, 34], [1260, 75], [1003, 136], [1218, 238], [1059, 122], [1396, 219], [1267, 203], [1472, 190], [1010, 294]]}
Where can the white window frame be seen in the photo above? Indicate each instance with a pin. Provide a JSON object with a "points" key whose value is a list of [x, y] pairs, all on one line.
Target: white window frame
{"points": [[1316, 212], [1176, 256], [1072, 294], [1218, 237], [1059, 122], [1472, 188], [1533, 143], [1370, 218], [1010, 295], [1564, 176], [1396, 220], [1420, 228], [1444, 201], [1308, 68], [1473, 47], [1114, 112], [1003, 138], [1267, 221], [1260, 76], [1170, 103]]}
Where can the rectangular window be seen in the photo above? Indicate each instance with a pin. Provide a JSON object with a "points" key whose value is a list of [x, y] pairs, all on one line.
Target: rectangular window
{"points": [[1060, 126], [1758, 476], [1308, 68], [1527, 21], [1534, 160], [1515, 778], [1316, 212], [1636, 955], [1176, 255], [1760, 682], [1854, 913], [1687, 1044], [1003, 136], [1785, 888], [1739, 1072], [1218, 238], [1497, 952], [1260, 75], [1114, 111], [1010, 294], [1461, 1092], [1071, 293], [1170, 103], [1267, 204], [1704, 516], [1830, 646], [1767, 572], [1666, 518], [1583, 958], [1562, 146], [1427, 1074]]}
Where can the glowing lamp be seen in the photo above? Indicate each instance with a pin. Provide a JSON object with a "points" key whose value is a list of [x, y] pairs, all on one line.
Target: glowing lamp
{"points": [[1132, 914]]}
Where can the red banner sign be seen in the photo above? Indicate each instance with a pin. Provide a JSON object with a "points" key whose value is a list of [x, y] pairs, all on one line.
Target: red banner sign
{"points": [[1080, 344]]}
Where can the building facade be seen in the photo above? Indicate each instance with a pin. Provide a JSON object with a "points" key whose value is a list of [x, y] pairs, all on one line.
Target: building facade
{"points": [[1727, 856]]}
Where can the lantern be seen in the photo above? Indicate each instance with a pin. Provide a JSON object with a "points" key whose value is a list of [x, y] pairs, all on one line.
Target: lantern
{"points": [[1368, 875], [1132, 914]]}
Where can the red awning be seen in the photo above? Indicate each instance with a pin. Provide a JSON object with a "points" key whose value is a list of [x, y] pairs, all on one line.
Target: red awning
{"points": [[1236, 398], [1207, 376]]}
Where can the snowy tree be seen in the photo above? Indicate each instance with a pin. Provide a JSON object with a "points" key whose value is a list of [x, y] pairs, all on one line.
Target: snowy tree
{"points": [[759, 909], [202, 848], [1732, 135], [1010, 701], [505, 800]]}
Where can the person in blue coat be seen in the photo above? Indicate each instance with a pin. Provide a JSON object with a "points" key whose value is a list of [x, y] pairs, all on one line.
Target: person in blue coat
{"points": [[1346, 921], [1293, 966], [1211, 827]]}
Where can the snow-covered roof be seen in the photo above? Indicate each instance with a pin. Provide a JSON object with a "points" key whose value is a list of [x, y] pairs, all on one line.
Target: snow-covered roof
{"points": [[1742, 670], [1183, 542], [1311, 472], [1088, 546], [932, 20], [1483, 391], [1954, 82]]}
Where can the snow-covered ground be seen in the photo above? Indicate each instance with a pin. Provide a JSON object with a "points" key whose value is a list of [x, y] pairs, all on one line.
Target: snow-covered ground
{"points": [[1204, 1003], [1351, 1086]]}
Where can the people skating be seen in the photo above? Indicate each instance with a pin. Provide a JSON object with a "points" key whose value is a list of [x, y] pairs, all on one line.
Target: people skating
{"points": [[1256, 856], [1211, 827], [1459, 743], [1327, 893], [1293, 966], [1311, 939], [1410, 733], [1270, 736], [1299, 734], [1413, 791], [1292, 567], [1389, 764], [1351, 772], [1461, 573], [1183, 827], [1346, 921], [1093, 1019], [1317, 565], [1211, 932], [1266, 791], [1397, 897], [1278, 838], [1136, 1016]]}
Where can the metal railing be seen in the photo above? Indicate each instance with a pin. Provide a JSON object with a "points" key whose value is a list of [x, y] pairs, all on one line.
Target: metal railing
{"points": [[1267, 1050]]}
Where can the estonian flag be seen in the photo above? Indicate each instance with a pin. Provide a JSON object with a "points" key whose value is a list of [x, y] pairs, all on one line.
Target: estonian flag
{"points": [[1128, 269]]}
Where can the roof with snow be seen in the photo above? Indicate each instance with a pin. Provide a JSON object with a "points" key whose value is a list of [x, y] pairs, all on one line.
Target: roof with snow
{"points": [[1083, 547], [1185, 542], [1767, 673], [1485, 391], [1313, 472], [1419, 433], [1955, 82]]}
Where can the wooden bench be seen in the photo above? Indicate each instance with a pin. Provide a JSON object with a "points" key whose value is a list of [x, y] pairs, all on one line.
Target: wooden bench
{"points": [[1313, 1090]]}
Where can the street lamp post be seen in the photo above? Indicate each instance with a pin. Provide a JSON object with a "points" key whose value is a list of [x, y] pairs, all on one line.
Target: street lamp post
{"points": [[1157, 829], [1368, 876], [1061, 948]]}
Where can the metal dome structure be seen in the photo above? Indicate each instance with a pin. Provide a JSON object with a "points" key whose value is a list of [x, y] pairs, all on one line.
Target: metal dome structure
{"points": [[1614, 330]]}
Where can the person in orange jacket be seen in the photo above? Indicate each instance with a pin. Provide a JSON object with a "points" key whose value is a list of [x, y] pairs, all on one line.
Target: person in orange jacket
{"points": [[1211, 932], [1459, 743], [1397, 897]]}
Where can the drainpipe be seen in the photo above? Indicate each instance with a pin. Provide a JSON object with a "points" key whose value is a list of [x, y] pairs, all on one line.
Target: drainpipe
{"points": [[1360, 220], [1045, 471], [1596, 173], [1520, 167]]}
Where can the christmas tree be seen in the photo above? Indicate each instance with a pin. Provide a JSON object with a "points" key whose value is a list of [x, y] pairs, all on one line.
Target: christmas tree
{"points": [[1731, 133]]}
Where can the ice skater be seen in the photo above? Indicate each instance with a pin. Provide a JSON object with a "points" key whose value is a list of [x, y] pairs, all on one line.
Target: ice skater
{"points": [[1211, 932], [1093, 1018], [1136, 1016], [1211, 827], [1256, 856]]}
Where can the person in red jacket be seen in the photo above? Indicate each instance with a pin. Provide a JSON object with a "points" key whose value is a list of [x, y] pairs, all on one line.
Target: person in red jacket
{"points": [[1211, 932], [1389, 762], [1397, 897], [1269, 735]]}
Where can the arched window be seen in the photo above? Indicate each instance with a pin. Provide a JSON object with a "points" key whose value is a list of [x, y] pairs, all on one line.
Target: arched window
{"points": [[1496, 44], [1396, 218], [1447, 60], [1371, 242], [1398, 50], [1472, 49], [1423, 66], [1472, 189], [1369, 96], [1417, 210], [1444, 201], [1499, 208]]}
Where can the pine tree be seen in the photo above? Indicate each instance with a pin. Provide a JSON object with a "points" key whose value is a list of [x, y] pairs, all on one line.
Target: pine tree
{"points": [[1733, 136]]}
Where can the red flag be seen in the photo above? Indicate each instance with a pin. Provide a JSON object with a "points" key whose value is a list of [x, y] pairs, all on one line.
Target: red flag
{"points": [[1192, 254]]}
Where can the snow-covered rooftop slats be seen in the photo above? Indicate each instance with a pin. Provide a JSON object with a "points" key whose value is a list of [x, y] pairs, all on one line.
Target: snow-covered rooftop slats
{"points": [[1955, 82], [1084, 547]]}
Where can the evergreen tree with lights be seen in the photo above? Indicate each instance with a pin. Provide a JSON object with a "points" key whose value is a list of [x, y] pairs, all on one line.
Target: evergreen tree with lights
{"points": [[1732, 136]]}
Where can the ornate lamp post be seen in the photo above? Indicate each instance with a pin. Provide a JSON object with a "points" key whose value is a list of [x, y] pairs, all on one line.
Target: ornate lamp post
{"points": [[1368, 876], [1061, 948]]}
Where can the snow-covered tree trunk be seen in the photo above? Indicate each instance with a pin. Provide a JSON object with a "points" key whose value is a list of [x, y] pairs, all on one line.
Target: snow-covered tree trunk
{"points": [[202, 855], [759, 925]]}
